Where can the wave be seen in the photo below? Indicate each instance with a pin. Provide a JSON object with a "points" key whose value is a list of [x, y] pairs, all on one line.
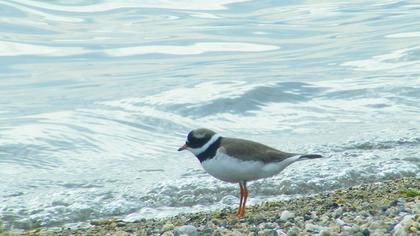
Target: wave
{"points": [[106, 6], [252, 99]]}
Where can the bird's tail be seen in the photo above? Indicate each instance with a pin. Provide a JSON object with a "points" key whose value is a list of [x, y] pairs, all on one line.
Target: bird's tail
{"points": [[309, 156]]}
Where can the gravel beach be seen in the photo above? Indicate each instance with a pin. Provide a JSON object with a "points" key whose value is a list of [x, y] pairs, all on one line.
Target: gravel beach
{"points": [[385, 208]]}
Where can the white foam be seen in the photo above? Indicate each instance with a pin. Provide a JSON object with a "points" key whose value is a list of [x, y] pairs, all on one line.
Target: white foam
{"points": [[111, 5], [415, 34], [390, 61], [194, 49], [8, 48]]}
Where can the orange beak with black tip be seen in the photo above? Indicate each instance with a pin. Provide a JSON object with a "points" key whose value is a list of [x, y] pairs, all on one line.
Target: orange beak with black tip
{"points": [[182, 148]]}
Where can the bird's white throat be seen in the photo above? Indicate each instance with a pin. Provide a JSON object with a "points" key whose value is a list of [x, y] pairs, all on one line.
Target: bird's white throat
{"points": [[197, 151]]}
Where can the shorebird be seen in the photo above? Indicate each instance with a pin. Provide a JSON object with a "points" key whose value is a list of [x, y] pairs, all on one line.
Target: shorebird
{"points": [[238, 160]]}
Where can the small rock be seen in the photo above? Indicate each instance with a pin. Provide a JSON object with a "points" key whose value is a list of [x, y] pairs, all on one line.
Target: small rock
{"points": [[269, 225], [376, 225], [121, 224], [189, 230], [365, 232], [417, 206], [268, 232], [120, 233], [217, 233], [338, 212], [280, 232], [294, 231], [324, 218], [340, 222], [355, 229], [168, 233], [129, 229], [167, 227], [235, 233], [324, 232], [314, 228], [359, 219], [403, 228], [347, 228], [286, 215]]}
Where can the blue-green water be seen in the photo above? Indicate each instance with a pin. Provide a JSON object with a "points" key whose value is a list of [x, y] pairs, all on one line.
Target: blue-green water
{"points": [[96, 96]]}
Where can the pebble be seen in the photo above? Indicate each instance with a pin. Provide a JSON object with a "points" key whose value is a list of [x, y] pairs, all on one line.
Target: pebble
{"points": [[168, 233], [314, 228], [292, 233], [366, 232], [268, 232], [268, 225], [347, 228], [236, 233], [286, 215], [280, 232], [340, 222], [189, 230], [404, 227], [167, 227], [324, 232], [359, 219]]}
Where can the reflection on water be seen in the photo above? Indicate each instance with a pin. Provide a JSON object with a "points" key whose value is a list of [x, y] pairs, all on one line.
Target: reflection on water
{"points": [[96, 97]]}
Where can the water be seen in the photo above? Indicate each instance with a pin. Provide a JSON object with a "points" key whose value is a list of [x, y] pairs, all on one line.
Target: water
{"points": [[96, 96]]}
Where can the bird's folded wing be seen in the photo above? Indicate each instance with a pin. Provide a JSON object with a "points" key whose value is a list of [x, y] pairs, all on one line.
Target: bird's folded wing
{"points": [[247, 150]]}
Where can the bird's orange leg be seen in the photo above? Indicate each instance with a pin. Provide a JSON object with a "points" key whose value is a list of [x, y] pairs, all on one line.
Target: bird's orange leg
{"points": [[245, 197], [241, 200]]}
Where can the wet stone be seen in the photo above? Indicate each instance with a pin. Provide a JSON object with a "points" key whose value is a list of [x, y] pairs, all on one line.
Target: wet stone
{"points": [[338, 212], [168, 233], [236, 233], [189, 230], [267, 232], [324, 232], [365, 232], [314, 228], [168, 226], [286, 215], [268, 225]]}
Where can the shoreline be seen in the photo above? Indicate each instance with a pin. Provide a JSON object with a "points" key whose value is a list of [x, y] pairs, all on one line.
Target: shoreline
{"points": [[384, 208]]}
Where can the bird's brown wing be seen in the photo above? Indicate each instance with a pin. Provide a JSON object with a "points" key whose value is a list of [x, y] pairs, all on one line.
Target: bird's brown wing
{"points": [[252, 151]]}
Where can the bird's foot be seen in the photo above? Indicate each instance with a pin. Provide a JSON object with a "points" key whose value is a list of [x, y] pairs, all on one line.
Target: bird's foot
{"points": [[241, 212]]}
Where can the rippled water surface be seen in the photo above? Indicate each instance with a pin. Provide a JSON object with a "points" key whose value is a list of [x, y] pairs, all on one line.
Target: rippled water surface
{"points": [[96, 96]]}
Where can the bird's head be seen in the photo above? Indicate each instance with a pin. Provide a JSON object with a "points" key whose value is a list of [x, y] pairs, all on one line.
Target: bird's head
{"points": [[199, 140]]}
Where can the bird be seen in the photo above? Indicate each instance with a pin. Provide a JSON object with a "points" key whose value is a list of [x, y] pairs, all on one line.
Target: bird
{"points": [[237, 160]]}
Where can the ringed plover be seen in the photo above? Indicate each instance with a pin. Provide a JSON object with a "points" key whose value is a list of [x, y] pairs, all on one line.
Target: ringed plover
{"points": [[238, 160]]}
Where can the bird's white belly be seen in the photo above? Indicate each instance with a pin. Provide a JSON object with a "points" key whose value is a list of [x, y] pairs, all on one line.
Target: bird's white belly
{"points": [[234, 170], [271, 169]]}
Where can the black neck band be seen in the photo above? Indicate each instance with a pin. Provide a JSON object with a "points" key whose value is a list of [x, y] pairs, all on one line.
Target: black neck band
{"points": [[210, 152]]}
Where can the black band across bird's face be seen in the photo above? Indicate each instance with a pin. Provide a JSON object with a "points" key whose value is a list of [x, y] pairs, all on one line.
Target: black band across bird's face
{"points": [[197, 142]]}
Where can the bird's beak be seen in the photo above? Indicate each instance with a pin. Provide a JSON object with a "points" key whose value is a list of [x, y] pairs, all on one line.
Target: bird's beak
{"points": [[182, 148]]}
